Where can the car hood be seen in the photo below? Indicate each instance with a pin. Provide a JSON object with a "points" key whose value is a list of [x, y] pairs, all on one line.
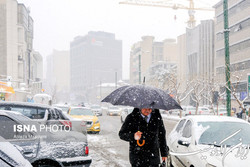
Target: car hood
{"points": [[229, 158]]}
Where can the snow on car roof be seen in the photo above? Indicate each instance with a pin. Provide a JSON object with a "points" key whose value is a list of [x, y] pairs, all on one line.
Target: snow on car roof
{"points": [[214, 118], [5, 112], [25, 104]]}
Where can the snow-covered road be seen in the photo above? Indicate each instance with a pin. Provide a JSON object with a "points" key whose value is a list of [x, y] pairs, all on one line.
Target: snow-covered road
{"points": [[106, 148]]}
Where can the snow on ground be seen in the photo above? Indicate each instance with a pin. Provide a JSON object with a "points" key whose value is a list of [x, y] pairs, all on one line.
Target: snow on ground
{"points": [[104, 152]]}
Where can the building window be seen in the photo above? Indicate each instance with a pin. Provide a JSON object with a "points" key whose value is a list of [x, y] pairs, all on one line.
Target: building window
{"points": [[232, 11], [235, 48], [234, 29], [235, 67]]}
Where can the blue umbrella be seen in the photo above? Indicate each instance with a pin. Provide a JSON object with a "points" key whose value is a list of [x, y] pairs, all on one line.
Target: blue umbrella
{"points": [[142, 96]]}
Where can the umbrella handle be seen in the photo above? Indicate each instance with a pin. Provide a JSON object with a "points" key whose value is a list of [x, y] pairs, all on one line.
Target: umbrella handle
{"points": [[139, 144]]}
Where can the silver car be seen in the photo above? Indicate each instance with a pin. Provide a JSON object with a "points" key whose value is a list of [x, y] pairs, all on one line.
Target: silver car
{"points": [[44, 147]]}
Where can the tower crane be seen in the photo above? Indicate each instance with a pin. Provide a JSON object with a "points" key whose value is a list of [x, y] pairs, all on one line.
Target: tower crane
{"points": [[170, 4]]}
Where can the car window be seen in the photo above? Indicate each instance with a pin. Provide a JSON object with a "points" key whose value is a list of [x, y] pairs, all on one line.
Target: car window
{"points": [[32, 113], [180, 125], [187, 129], [6, 127]]}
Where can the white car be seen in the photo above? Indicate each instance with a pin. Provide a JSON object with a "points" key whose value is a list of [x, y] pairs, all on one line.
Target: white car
{"points": [[188, 110], [97, 110], [209, 141], [203, 110], [114, 110], [125, 113]]}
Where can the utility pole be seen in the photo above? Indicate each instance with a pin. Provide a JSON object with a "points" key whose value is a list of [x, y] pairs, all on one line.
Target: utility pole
{"points": [[139, 69], [227, 56]]}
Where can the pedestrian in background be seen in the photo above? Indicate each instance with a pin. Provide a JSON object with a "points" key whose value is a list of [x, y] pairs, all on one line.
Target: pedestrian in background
{"points": [[145, 125], [244, 115], [249, 115]]}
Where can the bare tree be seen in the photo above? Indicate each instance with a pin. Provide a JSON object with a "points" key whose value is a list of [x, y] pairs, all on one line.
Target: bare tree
{"points": [[167, 80], [212, 87], [197, 93], [175, 89]]}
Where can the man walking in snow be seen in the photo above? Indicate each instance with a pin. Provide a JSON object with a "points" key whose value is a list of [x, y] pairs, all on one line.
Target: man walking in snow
{"points": [[145, 132]]}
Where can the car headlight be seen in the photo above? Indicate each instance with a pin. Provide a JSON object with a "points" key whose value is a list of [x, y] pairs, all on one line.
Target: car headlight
{"points": [[97, 122], [209, 165]]}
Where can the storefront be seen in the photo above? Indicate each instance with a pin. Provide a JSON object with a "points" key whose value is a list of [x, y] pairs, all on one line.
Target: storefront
{"points": [[5, 91]]}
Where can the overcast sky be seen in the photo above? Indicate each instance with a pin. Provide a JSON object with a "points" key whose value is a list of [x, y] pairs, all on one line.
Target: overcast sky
{"points": [[57, 22]]}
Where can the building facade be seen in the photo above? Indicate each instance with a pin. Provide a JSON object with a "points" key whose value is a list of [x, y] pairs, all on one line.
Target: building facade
{"points": [[58, 76], [147, 54], [200, 51], [239, 44], [16, 48], [94, 58]]}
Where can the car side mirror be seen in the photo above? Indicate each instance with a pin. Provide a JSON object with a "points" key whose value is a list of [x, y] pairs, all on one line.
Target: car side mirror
{"points": [[184, 143]]}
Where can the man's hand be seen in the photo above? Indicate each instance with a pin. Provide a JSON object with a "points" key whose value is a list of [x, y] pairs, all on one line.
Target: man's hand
{"points": [[164, 159], [137, 135]]}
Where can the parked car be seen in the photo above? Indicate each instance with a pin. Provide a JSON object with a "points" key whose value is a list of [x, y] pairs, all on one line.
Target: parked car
{"points": [[125, 112], [10, 156], [64, 107], [188, 110], [204, 141], [86, 114], [97, 110], [114, 110], [44, 147], [44, 114], [221, 111], [204, 110]]}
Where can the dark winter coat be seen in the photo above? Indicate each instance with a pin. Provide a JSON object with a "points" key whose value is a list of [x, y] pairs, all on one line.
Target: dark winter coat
{"points": [[153, 133]]}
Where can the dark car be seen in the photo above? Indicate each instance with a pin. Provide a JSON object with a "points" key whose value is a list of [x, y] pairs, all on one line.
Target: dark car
{"points": [[42, 148]]}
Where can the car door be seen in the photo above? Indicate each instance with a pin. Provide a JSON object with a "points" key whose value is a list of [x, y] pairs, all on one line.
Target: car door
{"points": [[26, 142], [173, 141], [182, 144]]}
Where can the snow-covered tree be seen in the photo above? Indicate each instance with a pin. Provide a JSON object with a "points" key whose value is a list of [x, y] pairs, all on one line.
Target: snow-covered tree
{"points": [[198, 87]]}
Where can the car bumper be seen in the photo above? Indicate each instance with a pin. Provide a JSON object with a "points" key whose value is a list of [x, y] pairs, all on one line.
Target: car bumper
{"points": [[94, 128], [75, 162]]}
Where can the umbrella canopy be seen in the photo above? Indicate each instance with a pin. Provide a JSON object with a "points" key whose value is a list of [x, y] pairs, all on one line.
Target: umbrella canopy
{"points": [[4, 88], [141, 96]]}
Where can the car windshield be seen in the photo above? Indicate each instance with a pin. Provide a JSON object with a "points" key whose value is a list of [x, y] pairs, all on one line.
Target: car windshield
{"points": [[216, 132], [81, 111]]}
